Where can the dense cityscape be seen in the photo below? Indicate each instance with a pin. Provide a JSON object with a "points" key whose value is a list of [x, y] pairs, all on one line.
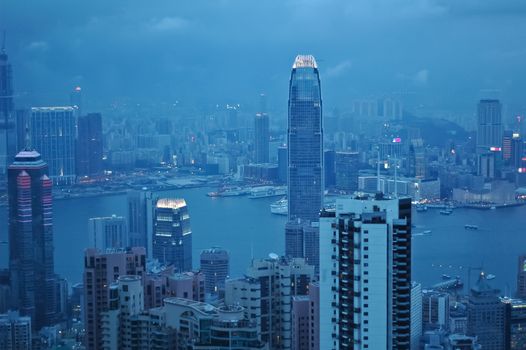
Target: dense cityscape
{"points": [[271, 224]]}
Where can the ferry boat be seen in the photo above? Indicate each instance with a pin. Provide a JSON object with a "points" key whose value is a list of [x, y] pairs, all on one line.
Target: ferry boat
{"points": [[267, 191], [228, 192], [471, 227], [280, 207]]}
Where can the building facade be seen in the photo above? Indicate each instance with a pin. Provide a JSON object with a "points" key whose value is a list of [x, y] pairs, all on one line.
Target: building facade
{"points": [[365, 274], [31, 261], [108, 232], [15, 331], [172, 236], [52, 133]]}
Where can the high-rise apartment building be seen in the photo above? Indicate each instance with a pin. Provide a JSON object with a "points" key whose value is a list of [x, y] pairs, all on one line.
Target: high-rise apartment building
{"points": [[89, 145], [101, 269], [52, 133], [305, 320], [15, 331], [108, 232], [266, 293], [8, 132], [215, 265], [365, 274], [31, 261], [172, 235], [486, 315], [521, 277], [305, 141], [416, 315]]}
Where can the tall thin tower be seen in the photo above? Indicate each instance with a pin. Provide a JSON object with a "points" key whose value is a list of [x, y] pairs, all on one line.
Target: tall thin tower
{"points": [[7, 116], [31, 263], [305, 141]]}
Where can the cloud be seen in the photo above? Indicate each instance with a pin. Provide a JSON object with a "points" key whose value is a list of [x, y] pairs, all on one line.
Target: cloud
{"points": [[339, 69], [37, 46], [421, 77], [168, 24]]}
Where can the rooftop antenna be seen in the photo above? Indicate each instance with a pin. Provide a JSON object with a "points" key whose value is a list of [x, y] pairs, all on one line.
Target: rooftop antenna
{"points": [[378, 172]]}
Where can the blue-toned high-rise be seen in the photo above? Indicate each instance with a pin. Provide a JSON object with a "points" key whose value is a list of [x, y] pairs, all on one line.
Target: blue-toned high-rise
{"points": [[305, 141], [305, 161], [7, 115]]}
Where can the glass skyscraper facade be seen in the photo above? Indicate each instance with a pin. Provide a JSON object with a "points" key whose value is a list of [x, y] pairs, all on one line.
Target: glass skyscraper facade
{"points": [[305, 141], [172, 236], [52, 131]]}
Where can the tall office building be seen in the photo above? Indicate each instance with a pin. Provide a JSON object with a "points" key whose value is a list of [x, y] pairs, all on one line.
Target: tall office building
{"points": [[266, 293], [282, 164], [215, 265], [365, 274], [8, 135], [15, 331], [52, 133], [140, 219], [261, 138], [89, 145], [108, 232], [486, 315], [101, 269], [489, 125], [31, 261], [346, 171], [305, 141], [172, 236]]}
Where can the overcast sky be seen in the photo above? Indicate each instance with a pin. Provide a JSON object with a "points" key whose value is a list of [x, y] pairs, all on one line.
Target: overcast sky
{"points": [[445, 54]]}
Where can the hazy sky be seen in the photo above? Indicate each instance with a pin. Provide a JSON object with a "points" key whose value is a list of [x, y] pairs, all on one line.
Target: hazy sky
{"points": [[446, 54]]}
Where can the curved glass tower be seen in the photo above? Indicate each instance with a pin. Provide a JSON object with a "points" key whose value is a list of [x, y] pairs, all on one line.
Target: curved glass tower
{"points": [[305, 141]]}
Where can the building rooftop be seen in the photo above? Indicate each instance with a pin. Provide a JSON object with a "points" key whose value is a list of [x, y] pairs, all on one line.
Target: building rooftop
{"points": [[171, 203], [305, 61]]}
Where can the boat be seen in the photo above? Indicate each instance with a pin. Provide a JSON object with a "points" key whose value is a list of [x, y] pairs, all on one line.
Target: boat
{"points": [[446, 277], [280, 207], [446, 212], [267, 191], [490, 276], [493, 207], [421, 208], [228, 192], [427, 232], [471, 227]]}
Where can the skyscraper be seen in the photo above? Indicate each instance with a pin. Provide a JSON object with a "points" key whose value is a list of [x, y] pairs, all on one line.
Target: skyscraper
{"points": [[108, 232], [489, 125], [89, 145], [101, 269], [305, 141], [521, 277], [172, 236], [261, 138], [15, 331], [31, 262], [52, 133], [8, 141], [215, 265], [140, 219], [365, 274]]}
